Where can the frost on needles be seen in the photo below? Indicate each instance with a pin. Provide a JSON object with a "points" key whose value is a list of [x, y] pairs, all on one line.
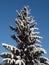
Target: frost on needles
{"points": [[28, 50]]}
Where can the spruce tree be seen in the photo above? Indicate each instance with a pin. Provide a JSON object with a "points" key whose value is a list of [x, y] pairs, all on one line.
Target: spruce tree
{"points": [[28, 50]]}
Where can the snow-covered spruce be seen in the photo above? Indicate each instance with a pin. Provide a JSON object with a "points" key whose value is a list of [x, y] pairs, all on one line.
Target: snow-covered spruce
{"points": [[28, 51]]}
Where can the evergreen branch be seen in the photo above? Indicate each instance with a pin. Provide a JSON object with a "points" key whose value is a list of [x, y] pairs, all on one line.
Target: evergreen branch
{"points": [[7, 55], [16, 38], [13, 49]]}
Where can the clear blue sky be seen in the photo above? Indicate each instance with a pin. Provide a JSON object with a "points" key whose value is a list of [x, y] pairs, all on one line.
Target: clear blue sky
{"points": [[39, 9]]}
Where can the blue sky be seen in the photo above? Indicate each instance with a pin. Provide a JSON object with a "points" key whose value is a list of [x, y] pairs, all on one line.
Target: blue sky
{"points": [[39, 9]]}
